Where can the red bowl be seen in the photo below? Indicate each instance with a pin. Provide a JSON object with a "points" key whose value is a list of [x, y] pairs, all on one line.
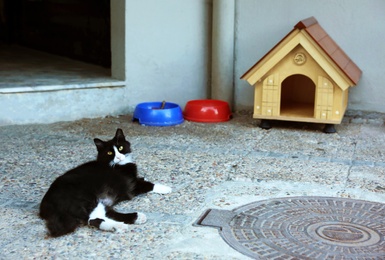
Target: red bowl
{"points": [[207, 111]]}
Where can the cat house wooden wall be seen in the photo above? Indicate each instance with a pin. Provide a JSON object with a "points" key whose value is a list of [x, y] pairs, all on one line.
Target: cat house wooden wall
{"points": [[305, 77]]}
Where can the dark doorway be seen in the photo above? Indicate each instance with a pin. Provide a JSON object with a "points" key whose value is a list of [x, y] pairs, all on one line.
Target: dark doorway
{"points": [[297, 96], [78, 29]]}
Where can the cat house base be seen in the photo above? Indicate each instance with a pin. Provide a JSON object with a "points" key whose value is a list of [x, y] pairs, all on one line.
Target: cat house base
{"points": [[329, 128], [305, 77]]}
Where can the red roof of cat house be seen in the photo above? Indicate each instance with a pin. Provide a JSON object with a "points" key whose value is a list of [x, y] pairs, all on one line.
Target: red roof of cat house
{"points": [[305, 77]]}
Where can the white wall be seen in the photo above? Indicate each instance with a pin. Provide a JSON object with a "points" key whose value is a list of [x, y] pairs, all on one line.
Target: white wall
{"points": [[358, 27], [168, 50]]}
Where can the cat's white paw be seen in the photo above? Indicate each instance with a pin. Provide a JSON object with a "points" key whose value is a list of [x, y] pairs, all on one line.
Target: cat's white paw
{"points": [[141, 218], [112, 225], [162, 189], [120, 227]]}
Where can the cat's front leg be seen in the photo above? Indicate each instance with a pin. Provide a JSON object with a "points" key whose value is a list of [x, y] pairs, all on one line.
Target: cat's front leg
{"points": [[112, 225], [107, 224], [143, 186], [106, 218], [128, 218]]}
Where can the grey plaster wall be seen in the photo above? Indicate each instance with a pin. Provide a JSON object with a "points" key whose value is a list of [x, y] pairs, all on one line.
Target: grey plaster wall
{"points": [[168, 50]]}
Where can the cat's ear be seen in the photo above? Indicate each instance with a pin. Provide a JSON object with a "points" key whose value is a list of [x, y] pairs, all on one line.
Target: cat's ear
{"points": [[119, 134], [99, 143]]}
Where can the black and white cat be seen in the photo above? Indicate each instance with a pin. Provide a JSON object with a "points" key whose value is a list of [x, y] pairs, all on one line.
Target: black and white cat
{"points": [[87, 193]]}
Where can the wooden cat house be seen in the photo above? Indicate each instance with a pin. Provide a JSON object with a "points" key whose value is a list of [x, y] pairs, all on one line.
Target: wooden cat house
{"points": [[305, 77]]}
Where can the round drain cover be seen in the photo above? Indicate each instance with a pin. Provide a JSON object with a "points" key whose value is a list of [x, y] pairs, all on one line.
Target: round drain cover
{"points": [[308, 228]]}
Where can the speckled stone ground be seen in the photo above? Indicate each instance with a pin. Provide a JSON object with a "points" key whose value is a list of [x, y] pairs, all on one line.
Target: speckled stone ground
{"points": [[221, 166]]}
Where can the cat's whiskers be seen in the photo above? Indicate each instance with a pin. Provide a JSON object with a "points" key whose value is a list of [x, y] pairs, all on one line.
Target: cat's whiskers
{"points": [[127, 159], [118, 156], [112, 164]]}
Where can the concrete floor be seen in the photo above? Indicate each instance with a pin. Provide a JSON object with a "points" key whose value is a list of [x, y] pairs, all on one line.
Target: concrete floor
{"points": [[220, 166], [27, 70]]}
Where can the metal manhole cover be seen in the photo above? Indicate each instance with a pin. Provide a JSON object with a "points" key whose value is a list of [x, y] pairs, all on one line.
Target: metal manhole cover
{"points": [[303, 228]]}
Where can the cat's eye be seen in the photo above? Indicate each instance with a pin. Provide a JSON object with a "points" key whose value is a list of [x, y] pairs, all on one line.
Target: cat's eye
{"points": [[109, 153], [120, 148]]}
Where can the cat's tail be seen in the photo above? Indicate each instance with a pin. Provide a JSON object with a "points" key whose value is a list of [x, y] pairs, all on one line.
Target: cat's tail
{"points": [[61, 224]]}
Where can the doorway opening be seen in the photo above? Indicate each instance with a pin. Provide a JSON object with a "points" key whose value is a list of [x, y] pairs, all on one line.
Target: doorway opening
{"points": [[77, 29], [55, 44], [297, 96]]}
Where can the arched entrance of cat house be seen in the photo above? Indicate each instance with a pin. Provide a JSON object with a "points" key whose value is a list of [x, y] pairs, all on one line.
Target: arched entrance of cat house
{"points": [[297, 96]]}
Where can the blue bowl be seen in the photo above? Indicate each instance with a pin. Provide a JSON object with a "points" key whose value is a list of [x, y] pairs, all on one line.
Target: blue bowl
{"points": [[150, 113]]}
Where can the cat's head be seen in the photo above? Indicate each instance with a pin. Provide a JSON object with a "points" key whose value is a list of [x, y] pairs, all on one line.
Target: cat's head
{"points": [[116, 151]]}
